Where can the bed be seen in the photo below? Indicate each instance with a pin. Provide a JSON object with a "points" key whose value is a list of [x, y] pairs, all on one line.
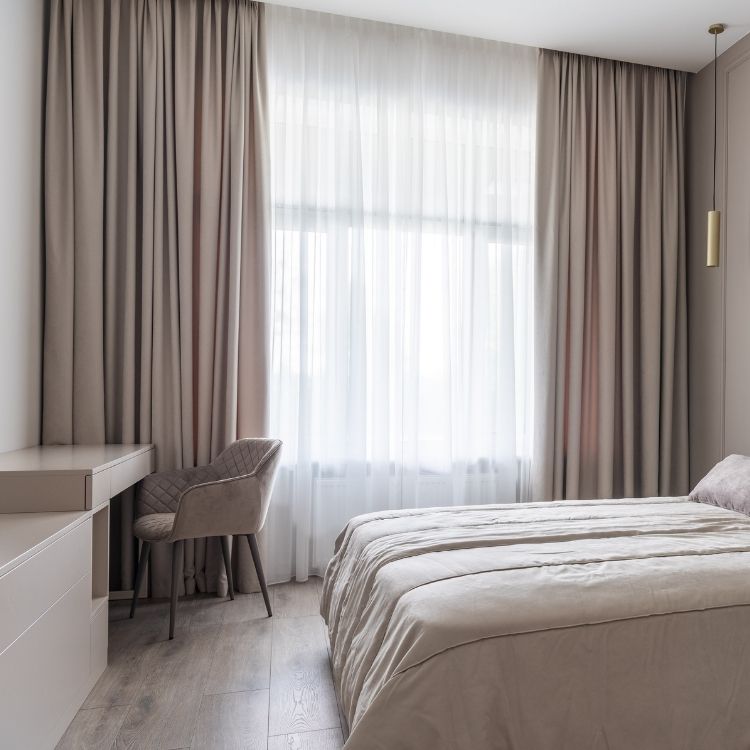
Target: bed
{"points": [[590, 625]]}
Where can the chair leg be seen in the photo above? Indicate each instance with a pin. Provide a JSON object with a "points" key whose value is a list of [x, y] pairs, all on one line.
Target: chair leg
{"points": [[142, 560], [228, 564], [259, 570], [177, 564]]}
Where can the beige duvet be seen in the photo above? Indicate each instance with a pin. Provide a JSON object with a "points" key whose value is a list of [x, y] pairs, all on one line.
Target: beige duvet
{"points": [[617, 625]]}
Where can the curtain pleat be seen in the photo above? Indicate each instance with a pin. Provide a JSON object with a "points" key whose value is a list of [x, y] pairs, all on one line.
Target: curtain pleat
{"points": [[610, 292], [156, 225]]}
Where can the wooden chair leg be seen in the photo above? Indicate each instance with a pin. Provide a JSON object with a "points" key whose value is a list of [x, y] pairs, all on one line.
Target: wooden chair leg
{"points": [[259, 570], [142, 560], [177, 565], [228, 564]]}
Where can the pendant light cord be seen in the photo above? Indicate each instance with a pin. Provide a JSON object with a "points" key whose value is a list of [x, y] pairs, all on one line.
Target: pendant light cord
{"points": [[716, 44]]}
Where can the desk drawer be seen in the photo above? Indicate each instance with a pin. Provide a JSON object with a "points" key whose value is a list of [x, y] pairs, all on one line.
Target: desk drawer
{"points": [[31, 588], [98, 488], [127, 473], [31, 493]]}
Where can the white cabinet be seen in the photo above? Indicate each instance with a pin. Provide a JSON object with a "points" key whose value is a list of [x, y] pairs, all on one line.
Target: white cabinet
{"points": [[54, 571], [45, 598]]}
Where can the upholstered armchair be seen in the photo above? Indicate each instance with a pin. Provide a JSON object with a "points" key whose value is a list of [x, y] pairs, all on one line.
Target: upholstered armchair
{"points": [[228, 497]]}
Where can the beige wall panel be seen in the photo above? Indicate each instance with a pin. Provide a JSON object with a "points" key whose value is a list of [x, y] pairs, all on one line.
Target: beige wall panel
{"points": [[737, 266], [719, 298]]}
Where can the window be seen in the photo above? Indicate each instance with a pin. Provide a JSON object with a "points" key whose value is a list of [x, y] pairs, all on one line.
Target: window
{"points": [[402, 173]]}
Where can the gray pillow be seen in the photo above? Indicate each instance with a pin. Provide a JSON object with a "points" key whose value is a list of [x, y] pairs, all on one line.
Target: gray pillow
{"points": [[727, 485]]}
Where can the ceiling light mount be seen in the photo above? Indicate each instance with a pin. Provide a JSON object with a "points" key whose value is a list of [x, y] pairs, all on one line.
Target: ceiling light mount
{"points": [[717, 28]]}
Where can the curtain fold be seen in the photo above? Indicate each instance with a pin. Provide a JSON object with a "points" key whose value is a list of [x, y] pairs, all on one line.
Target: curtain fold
{"points": [[402, 190], [610, 287], [156, 240]]}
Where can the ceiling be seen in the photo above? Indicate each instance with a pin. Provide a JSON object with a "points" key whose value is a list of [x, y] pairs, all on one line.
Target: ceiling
{"points": [[667, 33]]}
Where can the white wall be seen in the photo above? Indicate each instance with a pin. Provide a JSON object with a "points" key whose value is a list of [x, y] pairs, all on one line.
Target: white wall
{"points": [[21, 112]]}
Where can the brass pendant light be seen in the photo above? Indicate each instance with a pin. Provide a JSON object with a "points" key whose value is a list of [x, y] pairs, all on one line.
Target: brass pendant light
{"points": [[713, 240]]}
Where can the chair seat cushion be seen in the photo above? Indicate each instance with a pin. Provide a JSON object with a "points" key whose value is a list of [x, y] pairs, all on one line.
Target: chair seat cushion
{"points": [[154, 527]]}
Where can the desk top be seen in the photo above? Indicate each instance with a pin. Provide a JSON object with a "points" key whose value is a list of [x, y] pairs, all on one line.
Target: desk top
{"points": [[67, 459], [24, 534]]}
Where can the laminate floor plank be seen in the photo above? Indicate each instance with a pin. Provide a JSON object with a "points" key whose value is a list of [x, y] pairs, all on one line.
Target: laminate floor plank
{"points": [[242, 658], [326, 739], [93, 729], [203, 611], [131, 644], [165, 713], [231, 678], [246, 607], [152, 615], [296, 599], [302, 697], [233, 721]]}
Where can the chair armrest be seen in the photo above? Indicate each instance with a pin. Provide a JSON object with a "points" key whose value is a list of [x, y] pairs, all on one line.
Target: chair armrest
{"points": [[220, 508]]}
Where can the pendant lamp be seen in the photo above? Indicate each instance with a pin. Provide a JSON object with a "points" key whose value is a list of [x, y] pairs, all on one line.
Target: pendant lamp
{"points": [[713, 242]]}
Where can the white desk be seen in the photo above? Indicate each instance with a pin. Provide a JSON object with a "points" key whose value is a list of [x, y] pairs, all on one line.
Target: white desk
{"points": [[69, 477], [54, 575]]}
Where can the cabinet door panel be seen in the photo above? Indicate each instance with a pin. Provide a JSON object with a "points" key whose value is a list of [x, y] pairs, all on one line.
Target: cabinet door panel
{"points": [[44, 675]]}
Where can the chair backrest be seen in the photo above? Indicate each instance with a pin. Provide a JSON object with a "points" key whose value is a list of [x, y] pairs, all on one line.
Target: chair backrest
{"points": [[236, 503], [161, 492], [244, 456]]}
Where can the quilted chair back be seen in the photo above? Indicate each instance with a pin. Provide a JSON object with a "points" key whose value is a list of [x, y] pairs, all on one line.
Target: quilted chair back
{"points": [[230, 495], [244, 457], [161, 492]]}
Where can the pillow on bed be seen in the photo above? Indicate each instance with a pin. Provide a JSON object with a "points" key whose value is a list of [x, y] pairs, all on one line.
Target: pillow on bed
{"points": [[727, 485]]}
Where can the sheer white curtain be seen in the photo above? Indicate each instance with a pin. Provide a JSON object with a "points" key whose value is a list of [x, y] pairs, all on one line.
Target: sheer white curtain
{"points": [[402, 173]]}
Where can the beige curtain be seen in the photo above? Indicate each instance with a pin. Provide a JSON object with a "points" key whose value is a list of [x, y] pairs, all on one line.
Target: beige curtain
{"points": [[610, 352], [156, 234]]}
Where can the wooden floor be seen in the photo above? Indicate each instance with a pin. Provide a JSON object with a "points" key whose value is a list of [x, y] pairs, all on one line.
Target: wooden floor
{"points": [[231, 678]]}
